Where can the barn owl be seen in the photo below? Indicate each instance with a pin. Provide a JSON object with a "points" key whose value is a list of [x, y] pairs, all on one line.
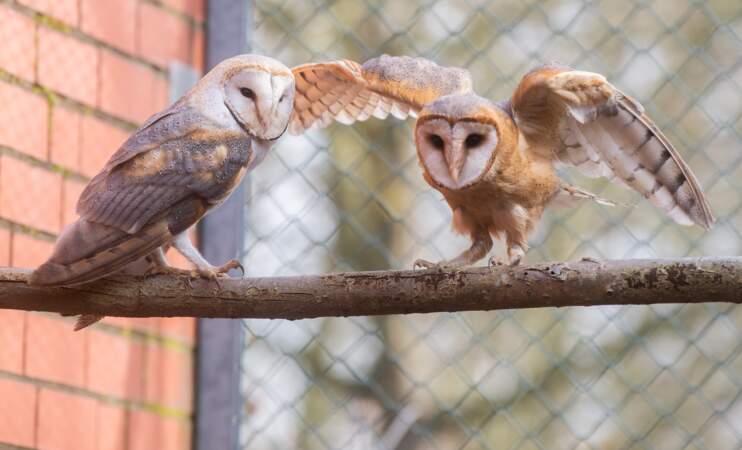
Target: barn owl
{"points": [[495, 163], [180, 164]]}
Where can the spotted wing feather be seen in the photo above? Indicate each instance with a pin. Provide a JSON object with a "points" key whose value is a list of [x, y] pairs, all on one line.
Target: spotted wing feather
{"points": [[585, 122], [346, 92]]}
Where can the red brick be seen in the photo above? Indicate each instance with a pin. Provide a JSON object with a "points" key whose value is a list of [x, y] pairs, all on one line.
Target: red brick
{"points": [[130, 90], [198, 58], [4, 247], [18, 50], [30, 195], [147, 324], [183, 328], [161, 93], [148, 431], [17, 413], [28, 251], [66, 421], [72, 191], [64, 10], [59, 352], [11, 340], [68, 66], [114, 365], [111, 22], [154, 23], [23, 116], [176, 259], [99, 141], [168, 377], [64, 145], [193, 8], [110, 427]]}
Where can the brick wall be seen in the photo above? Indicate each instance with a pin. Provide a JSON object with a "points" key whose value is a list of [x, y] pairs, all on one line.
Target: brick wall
{"points": [[76, 77]]}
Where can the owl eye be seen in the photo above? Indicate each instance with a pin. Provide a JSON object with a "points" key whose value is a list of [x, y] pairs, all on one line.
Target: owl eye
{"points": [[473, 140], [436, 141], [247, 93]]}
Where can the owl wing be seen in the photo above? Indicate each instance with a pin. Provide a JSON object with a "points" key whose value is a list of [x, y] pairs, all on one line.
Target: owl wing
{"points": [[583, 121], [346, 91], [160, 182]]}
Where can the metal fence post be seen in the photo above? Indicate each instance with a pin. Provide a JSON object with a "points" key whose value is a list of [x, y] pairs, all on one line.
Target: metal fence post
{"points": [[221, 237]]}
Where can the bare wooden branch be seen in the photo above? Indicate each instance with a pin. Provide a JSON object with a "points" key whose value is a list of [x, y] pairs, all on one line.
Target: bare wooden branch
{"points": [[585, 283]]}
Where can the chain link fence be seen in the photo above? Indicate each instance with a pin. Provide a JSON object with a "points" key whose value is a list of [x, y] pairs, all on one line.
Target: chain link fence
{"points": [[352, 198]]}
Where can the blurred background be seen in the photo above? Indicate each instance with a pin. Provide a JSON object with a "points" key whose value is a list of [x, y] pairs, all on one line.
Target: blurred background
{"points": [[78, 76], [344, 199]]}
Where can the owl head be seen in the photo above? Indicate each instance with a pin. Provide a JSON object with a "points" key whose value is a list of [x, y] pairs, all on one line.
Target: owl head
{"points": [[458, 138], [254, 91]]}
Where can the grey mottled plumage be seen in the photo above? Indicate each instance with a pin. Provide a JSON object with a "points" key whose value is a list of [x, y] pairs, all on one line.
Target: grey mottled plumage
{"points": [[180, 164]]}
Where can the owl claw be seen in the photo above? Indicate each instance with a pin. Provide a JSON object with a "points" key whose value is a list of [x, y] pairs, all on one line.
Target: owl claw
{"points": [[515, 255], [229, 265], [208, 273], [495, 261], [214, 273]]}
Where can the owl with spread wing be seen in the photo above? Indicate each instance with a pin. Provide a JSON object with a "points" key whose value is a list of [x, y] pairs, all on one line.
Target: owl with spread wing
{"points": [[495, 162]]}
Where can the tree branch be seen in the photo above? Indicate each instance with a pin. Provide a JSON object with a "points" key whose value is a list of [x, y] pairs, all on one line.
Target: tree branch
{"points": [[585, 283]]}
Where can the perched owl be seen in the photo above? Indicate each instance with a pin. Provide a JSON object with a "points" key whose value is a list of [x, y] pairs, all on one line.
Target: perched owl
{"points": [[495, 163], [180, 164]]}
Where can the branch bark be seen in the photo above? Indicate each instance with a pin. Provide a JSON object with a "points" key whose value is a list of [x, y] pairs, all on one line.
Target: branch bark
{"points": [[581, 283]]}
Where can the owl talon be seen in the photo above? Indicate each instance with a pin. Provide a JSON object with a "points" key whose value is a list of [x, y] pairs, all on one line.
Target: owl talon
{"points": [[214, 273], [495, 261], [515, 255], [229, 265]]}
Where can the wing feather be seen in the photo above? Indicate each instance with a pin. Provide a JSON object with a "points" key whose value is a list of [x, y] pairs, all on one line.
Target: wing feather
{"points": [[346, 91], [579, 119], [87, 250]]}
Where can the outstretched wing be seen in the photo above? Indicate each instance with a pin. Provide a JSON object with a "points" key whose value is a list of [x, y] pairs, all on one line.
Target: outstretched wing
{"points": [[579, 119], [346, 91], [160, 182]]}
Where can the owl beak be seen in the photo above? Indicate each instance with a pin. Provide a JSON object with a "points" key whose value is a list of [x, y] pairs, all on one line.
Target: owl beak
{"points": [[456, 157]]}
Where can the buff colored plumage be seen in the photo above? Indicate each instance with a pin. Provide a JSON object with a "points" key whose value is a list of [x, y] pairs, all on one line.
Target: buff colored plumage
{"points": [[495, 163]]}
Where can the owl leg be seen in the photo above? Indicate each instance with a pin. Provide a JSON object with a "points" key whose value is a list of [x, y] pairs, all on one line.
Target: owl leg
{"points": [[481, 245], [203, 268], [516, 242]]}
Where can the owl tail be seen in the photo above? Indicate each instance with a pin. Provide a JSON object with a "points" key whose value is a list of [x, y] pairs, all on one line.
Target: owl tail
{"points": [[85, 320], [87, 251], [138, 267]]}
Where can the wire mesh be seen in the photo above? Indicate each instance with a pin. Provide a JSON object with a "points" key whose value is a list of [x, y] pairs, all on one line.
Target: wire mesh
{"points": [[352, 198]]}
